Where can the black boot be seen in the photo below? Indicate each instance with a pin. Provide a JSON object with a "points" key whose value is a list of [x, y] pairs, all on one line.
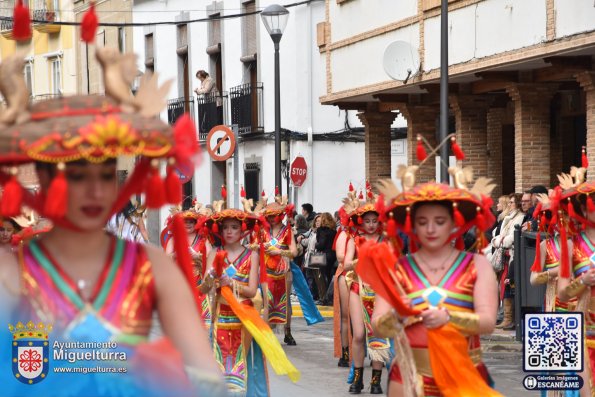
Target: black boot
{"points": [[375, 387], [288, 337], [358, 381], [344, 360]]}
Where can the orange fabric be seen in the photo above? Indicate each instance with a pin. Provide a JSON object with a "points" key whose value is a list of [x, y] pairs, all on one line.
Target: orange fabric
{"points": [[454, 372]]}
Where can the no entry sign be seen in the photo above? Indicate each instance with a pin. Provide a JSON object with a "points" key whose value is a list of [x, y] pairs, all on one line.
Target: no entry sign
{"points": [[298, 171], [221, 143]]}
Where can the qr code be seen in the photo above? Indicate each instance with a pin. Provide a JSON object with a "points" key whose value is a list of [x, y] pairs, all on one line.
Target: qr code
{"points": [[553, 342]]}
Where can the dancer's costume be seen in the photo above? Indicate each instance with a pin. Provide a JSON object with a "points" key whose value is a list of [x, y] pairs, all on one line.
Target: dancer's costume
{"points": [[278, 266], [96, 129], [235, 320], [378, 349], [430, 362]]}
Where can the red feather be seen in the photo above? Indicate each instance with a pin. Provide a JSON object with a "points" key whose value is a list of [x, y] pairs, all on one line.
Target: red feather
{"points": [[536, 268], [89, 25], [21, 26], [242, 192], [223, 192], [456, 149], [185, 137], [351, 187], [408, 228], [361, 195], [420, 150], [277, 190], [173, 186], [219, 262], [584, 159]]}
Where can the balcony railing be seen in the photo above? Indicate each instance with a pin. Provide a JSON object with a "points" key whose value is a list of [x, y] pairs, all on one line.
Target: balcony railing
{"points": [[177, 107], [212, 111], [247, 108], [6, 21], [43, 97], [45, 13]]}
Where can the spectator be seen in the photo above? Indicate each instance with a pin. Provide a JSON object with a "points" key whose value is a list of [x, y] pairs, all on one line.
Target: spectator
{"points": [[308, 213], [529, 223], [308, 241], [325, 236], [299, 230], [209, 88]]}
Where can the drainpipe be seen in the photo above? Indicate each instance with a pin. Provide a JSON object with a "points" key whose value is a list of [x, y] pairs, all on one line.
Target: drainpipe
{"points": [[310, 108]]}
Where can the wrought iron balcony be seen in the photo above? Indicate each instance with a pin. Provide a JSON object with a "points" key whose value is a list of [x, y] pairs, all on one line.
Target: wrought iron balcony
{"points": [[247, 108], [177, 107], [43, 14], [212, 111], [6, 19]]}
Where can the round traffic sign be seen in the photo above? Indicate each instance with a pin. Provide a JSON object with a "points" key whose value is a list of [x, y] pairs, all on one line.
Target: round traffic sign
{"points": [[298, 171], [221, 143]]}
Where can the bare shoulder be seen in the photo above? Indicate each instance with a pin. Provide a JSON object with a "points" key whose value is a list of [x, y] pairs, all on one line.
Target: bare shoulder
{"points": [[481, 264], [160, 262]]}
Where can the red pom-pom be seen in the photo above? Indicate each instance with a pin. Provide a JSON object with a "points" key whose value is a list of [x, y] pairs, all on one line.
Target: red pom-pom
{"points": [[185, 134], [173, 187], [407, 227], [570, 208], [155, 190], [263, 194], [456, 149], [564, 262], [368, 185], [242, 192], [12, 198], [459, 219], [536, 267], [215, 228], [584, 159], [223, 192], [460, 244], [351, 224], [277, 190], [21, 25], [244, 226], [351, 187], [420, 150], [590, 205], [380, 208], [391, 227], [89, 25], [359, 220], [57, 196], [361, 195]]}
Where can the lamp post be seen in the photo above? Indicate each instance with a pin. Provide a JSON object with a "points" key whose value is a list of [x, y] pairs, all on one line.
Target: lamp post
{"points": [[275, 19], [444, 90]]}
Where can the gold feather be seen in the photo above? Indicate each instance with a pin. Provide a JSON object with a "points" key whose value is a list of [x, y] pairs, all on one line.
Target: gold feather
{"points": [[247, 204], [578, 173], [483, 186], [388, 189], [543, 198], [151, 98]]}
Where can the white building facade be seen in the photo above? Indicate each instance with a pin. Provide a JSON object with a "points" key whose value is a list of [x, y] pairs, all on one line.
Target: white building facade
{"points": [[238, 54]]}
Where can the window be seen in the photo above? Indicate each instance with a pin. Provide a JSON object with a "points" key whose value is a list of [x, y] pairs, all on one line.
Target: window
{"points": [[249, 30], [149, 57], [29, 77], [56, 76], [122, 39]]}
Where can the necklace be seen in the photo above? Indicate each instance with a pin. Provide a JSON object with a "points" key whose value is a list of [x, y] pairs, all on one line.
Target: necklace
{"points": [[442, 266]]}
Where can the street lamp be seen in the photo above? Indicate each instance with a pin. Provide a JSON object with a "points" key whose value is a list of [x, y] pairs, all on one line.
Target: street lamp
{"points": [[275, 19]]}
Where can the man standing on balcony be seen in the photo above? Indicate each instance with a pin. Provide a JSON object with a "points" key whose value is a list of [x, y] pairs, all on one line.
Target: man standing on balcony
{"points": [[208, 88]]}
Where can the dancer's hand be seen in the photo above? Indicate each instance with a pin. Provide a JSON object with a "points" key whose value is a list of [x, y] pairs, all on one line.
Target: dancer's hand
{"points": [[434, 318]]}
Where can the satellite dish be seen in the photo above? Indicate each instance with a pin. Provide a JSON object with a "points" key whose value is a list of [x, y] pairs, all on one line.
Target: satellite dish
{"points": [[401, 61]]}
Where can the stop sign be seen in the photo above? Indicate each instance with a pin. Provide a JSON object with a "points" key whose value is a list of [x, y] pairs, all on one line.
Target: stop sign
{"points": [[298, 171]]}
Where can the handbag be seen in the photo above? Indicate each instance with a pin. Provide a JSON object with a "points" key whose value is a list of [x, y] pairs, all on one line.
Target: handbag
{"points": [[317, 259], [498, 260]]}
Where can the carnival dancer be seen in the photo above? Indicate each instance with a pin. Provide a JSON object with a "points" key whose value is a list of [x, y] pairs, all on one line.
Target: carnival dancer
{"points": [[361, 299], [235, 267], [8, 230], [577, 273], [341, 292], [199, 248], [445, 296], [280, 248], [89, 285]]}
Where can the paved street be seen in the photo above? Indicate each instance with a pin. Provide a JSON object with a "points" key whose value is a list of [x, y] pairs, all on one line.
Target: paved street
{"points": [[321, 376]]}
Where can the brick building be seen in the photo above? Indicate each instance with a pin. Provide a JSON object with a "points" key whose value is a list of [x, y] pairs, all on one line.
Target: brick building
{"points": [[522, 81]]}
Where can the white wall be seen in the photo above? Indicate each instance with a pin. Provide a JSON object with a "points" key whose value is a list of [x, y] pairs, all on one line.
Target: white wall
{"points": [[356, 17], [574, 16]]}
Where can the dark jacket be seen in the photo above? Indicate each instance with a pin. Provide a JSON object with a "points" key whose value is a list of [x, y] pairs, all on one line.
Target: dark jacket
{"points": [[324, 243]]}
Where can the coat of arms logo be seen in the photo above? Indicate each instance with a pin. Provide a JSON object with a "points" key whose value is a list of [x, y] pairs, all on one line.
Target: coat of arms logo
{"points": [[30, 351]]}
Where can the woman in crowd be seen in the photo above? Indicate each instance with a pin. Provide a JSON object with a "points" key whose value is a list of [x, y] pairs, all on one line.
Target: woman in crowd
{"points": [[443, 283], [325, 237], [361, 303], [313, 274], [90, 285], [300, 228], [504, 241], [129, 224]]}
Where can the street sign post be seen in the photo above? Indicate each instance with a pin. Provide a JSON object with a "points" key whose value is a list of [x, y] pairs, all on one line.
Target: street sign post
{"points": [[221, 143], [298, 171]]}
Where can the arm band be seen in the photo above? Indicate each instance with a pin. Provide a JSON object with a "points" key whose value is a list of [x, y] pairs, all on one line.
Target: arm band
{"points": [[575, 288], [464, 321]]}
